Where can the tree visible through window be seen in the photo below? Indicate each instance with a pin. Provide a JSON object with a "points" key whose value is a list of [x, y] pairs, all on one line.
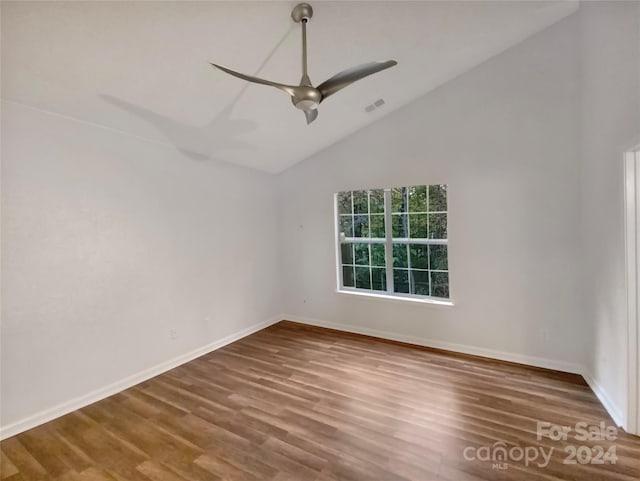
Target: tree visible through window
{"points": [[394, 241]]}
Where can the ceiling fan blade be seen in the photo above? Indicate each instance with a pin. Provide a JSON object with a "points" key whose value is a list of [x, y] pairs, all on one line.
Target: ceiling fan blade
{"points": [[311, 115], [290, 89], [347, 77]]}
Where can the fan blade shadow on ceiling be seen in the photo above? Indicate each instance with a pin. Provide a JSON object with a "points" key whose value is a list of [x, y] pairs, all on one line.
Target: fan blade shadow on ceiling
{"points": [[198, 143]]}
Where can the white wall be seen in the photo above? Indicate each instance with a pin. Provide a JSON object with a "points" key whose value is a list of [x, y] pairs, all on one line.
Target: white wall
{"points": [[504, 137], [610, 73], [108, 242]]}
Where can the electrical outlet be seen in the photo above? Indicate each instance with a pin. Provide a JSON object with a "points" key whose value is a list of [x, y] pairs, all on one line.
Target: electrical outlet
{"points": [[173, 334]]}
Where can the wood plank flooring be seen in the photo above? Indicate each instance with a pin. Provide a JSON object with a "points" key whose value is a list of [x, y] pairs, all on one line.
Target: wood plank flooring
{"points": [[295, 403]]}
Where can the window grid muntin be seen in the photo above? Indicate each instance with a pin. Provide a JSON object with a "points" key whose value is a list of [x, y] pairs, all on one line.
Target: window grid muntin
{"points": [[389, 241], [354, 266]]}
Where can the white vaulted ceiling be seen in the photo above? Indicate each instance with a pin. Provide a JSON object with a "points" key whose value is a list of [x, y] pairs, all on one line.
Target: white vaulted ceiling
{"points": [[143, 67]]}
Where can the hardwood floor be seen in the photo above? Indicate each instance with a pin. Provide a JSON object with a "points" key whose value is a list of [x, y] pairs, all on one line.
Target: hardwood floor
{"points": [[295, 403]]}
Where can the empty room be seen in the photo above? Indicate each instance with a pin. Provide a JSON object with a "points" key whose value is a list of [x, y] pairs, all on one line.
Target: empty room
{"points": [[325, 241]]}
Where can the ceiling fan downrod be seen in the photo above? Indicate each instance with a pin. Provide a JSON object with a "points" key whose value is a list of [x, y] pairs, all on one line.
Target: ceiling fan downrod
{"points": [[311, 98], [301, 14]]}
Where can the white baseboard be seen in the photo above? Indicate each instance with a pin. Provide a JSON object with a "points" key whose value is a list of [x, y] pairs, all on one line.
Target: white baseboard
{"points": [[118, 386], [448, 346], [614, 411]]}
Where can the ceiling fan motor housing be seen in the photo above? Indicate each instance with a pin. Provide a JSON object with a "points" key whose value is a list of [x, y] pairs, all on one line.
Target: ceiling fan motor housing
{"points": [[307, 98]]}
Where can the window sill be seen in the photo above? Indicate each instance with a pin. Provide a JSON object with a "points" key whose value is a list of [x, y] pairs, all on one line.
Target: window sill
{"points": [[387, 297]]}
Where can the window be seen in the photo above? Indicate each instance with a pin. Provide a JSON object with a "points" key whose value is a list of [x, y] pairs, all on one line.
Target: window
{"points": [[394, 241]]}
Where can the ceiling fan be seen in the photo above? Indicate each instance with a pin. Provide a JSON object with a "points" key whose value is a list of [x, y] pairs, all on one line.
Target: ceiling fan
{"points": [[305, 96]]}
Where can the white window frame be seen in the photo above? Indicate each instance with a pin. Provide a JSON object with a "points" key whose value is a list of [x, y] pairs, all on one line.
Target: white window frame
{"points": [[388, 242]]}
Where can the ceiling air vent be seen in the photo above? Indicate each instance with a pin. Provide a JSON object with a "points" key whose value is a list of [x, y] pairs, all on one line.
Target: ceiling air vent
{"points": [[377, 104]]}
